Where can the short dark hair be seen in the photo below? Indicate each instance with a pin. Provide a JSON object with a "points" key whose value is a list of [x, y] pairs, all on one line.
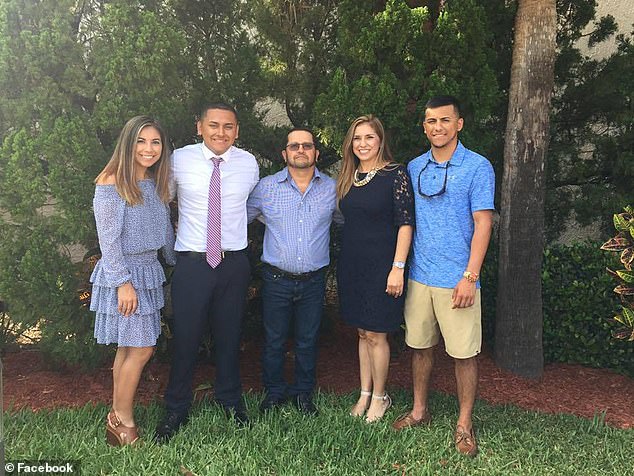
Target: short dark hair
{"points": [[217, 105], [440, 101], [302, 129]]}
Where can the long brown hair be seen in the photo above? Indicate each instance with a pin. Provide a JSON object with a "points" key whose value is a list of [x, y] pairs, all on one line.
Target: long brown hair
{"points": [[122, 163], [350, 161]]}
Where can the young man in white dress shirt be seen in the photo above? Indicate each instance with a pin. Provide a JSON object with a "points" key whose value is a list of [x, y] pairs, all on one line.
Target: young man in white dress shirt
{"points": [[202, 293]]}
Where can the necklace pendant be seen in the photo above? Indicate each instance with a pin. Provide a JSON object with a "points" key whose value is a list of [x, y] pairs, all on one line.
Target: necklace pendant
{"points": [[361, 182]]}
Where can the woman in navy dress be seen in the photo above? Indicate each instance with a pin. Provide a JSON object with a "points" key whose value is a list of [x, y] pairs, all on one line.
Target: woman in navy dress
{"points": [[132, 218], [375, 197]]}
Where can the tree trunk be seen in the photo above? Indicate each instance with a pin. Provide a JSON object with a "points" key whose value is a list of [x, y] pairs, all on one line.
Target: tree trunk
{"points": [[519, 320]]}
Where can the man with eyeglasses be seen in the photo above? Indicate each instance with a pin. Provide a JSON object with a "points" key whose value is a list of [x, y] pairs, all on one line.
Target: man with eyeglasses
{"points": [[453, 206], [297, 206]]}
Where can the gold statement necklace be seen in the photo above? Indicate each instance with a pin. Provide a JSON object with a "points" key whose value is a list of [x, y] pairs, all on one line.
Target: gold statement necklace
{"points": [[369, 176]]}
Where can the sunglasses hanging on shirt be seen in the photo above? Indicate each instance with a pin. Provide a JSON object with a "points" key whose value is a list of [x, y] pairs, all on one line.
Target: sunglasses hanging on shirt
{"points": [[432, 187]]}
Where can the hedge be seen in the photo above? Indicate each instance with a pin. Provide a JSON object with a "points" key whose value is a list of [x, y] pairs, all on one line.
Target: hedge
{"points": [[577, 303]]}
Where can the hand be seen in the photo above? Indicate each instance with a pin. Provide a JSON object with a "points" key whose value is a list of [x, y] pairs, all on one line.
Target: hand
{"points": [[395, 282], [127, 298], [463, 294]]}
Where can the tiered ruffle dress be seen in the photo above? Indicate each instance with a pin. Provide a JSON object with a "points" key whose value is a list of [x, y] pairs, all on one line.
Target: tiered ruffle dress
{"points": [[129, 238]]}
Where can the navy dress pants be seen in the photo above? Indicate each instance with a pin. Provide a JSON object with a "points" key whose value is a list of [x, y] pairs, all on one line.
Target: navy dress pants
{"points": [[202, 294]]}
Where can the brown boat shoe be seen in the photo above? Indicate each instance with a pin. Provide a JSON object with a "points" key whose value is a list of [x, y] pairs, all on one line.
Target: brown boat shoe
{"points": [[466, 443], [408, 421]]}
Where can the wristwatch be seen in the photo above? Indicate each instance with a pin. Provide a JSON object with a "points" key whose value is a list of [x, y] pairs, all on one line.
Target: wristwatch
{"points": [[471, 277], [399, 264]]}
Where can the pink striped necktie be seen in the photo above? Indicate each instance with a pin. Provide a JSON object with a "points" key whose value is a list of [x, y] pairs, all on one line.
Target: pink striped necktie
{"points": [[214, 216]]}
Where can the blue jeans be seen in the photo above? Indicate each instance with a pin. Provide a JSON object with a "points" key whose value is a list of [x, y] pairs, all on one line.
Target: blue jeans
{"points": [[285, 300]]}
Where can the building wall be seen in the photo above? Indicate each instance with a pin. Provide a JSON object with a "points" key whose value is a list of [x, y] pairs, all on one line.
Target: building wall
{"points": [[623, 12]]}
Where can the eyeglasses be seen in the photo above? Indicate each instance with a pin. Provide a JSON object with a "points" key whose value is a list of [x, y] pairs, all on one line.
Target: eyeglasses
{"points": [[444, 183], [294, 146]]}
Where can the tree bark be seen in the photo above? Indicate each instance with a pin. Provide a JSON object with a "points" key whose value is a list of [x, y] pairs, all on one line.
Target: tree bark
{"points": [[519, 319]]}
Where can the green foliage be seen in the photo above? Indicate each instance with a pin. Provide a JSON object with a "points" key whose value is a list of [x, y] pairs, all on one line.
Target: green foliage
{"points": [[590, 166], [391, 60], [42, 62], [43, 288], [138, 66], [575, 294], [623, 243], [297, 49]]}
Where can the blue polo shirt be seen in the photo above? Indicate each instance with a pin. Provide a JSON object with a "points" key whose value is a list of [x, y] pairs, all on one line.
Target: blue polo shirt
{"points": [[444, 222], [297, 233]]}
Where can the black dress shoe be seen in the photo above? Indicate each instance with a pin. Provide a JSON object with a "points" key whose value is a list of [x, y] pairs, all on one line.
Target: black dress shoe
{"points": [[304, 403], [270, 402], [169, 426], [238, 415]]}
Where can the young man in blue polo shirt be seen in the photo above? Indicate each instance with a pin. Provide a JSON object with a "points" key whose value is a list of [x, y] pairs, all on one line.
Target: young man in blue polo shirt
{"points": [[454, 190]]}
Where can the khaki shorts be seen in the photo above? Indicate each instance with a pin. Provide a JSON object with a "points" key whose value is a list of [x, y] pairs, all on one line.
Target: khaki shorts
{"points": [[428, 314]]}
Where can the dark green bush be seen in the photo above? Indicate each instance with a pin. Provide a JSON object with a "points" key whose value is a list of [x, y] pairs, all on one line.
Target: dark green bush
{"points": [[577, 302]]}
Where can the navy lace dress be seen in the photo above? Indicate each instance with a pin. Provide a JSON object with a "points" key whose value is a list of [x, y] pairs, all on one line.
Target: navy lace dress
{"points": [[373, 214], [129, 238]]}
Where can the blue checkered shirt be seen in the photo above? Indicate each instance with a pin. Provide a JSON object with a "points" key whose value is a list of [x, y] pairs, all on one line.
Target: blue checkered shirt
{"points": [[297, 234]]}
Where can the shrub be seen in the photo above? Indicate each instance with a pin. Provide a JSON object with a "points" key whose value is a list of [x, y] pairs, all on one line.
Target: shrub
{"points": [[576, 295]]}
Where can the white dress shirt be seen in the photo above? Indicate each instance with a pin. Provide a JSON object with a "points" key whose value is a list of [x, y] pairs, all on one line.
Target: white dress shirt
{"points": [[191, 172]]}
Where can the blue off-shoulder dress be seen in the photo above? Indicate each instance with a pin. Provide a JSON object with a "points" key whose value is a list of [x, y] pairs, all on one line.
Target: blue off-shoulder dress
{"points": [[129, 238]]}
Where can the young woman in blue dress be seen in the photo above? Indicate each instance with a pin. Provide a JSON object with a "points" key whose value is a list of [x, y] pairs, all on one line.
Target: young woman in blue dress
{"points": [[132, 217]]}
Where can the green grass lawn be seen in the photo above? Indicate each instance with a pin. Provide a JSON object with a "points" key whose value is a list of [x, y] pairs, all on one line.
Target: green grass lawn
{"points": [[512, 441]]}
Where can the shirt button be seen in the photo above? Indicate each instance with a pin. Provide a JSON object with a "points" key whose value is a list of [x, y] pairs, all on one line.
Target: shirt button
{"points": [[301, 221], [300, 239], [299, 258]]}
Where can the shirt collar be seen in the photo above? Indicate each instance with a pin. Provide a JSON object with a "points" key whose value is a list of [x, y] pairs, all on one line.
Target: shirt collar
{"points": [[456, 158], [208, 153], [284, 175]]}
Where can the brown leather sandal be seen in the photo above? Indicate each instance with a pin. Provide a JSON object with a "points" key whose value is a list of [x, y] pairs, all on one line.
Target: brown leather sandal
{"points": [[117, 434]]}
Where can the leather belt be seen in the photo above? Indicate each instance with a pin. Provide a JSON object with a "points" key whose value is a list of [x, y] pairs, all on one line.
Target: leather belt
{"points": [[202, 255], [294, 276]]}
